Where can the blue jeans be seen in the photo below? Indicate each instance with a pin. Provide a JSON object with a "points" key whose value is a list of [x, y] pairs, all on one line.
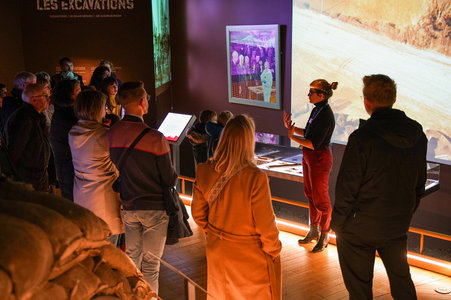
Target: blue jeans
{"points": [[145, 231]]}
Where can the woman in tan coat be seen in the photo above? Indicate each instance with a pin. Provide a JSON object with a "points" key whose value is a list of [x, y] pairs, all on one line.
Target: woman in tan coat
{"points": [[95, 173], [232, 204]]}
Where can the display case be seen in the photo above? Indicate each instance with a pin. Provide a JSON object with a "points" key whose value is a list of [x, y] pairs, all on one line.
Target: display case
{"points": [[278, 160], [433, 178], [285, 162]]}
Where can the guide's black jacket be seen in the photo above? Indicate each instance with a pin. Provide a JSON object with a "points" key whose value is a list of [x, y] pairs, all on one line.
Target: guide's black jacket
{"points": [[382, 177]]}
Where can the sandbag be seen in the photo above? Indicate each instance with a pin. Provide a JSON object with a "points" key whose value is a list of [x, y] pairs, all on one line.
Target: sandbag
{"points": [[25, 254], [6, 286], [50, 291], [92, 227], [61, 231], [79, 283], [78, 257], [90, 263], [116, 282], [117, 259], [141, 289]]}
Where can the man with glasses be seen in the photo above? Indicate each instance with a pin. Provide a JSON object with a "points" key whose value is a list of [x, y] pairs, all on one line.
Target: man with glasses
{"points": [[144, 173], [379, 186], [27, 136]]}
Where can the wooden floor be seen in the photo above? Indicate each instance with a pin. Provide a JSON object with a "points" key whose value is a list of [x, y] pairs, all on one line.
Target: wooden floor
{"points": [[305, 275]]}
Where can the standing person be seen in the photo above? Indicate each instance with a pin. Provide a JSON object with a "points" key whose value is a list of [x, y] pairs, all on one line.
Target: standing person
{"points": [[144, 175], [316, 160], [198, 136], [67, 72], [3, 92], [63, 119], [99, 74], [214, 130], [95, 173], [43, 78], [232, 204], [110, 88], [27, 136], [381, 180], [13, 102], [109, 65]]}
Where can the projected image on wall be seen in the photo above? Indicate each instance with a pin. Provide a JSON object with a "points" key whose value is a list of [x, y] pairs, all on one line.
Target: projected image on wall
{"points": [[410, 41], [161, 48]]}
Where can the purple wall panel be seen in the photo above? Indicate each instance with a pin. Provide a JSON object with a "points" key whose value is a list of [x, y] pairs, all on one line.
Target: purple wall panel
{"points": [[199, 55]]}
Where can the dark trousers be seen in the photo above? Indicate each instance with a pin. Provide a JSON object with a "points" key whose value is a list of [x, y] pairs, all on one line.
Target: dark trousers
{"points": [[316, 166], [356, 258]]}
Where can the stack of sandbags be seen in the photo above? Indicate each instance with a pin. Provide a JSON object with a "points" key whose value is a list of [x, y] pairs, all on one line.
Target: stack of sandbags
{"points": [[51, 248]]}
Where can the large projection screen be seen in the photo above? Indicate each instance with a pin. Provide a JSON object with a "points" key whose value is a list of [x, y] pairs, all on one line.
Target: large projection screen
{"points": [[343, 40]]}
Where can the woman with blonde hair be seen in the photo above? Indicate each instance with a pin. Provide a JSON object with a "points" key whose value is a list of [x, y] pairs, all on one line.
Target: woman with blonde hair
{"points": [[232, 204]]}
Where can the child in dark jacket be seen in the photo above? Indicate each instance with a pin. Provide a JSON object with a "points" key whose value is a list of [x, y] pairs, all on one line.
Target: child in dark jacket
{"points": [[198, 136], [214, 130]]}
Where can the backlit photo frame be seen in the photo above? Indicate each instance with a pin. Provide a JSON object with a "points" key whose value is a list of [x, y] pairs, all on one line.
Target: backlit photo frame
{"points": [[253, 68]]}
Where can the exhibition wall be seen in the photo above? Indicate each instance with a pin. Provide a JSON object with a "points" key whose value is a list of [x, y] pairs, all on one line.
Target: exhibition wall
{"points": [[199, 55]]}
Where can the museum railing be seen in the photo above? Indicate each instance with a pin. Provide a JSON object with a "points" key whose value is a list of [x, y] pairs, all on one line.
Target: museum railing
{"points": [[415, 259]]}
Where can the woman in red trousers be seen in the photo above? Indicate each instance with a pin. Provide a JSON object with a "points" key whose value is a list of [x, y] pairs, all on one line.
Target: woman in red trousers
{"points": [[314, 141]]}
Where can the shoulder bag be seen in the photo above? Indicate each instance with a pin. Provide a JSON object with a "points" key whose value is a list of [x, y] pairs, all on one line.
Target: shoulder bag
{"points": [[123, 158]]}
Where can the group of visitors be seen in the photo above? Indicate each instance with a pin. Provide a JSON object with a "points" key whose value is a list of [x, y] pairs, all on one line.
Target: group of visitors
{"points": [[231, 195], [84, 137], [381, 180]]}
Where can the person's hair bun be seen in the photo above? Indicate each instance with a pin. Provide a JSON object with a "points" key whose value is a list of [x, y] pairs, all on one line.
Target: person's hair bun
{"points": [[334, 85]]}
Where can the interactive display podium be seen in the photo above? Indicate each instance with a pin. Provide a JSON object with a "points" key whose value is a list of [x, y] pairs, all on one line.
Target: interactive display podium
{"points": [[174, 127]]}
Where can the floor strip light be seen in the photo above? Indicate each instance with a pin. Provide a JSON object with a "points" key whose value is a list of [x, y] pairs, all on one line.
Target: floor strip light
{"points": [[411, 256]]}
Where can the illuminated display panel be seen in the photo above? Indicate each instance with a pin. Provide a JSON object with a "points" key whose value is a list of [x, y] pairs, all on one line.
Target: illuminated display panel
{"points": [[407, 40], [174, 126]]}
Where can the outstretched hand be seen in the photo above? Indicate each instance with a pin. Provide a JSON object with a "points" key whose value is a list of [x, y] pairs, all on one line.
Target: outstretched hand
{"points": [[290, 126], [286, 119]]}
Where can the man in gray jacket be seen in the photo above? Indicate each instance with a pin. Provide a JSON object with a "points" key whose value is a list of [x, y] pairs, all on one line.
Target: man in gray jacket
{"points": [[379, 186]]}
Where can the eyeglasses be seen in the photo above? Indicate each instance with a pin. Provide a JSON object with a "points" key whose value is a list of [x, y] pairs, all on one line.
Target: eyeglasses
{"points": [[148, 98], [314, 91], [43, 95]]}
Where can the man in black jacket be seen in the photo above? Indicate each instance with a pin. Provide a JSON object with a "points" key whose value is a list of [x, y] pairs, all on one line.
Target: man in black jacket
{"points": [[27, 137], [13, 102], [379, 186], [67, 72]]}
